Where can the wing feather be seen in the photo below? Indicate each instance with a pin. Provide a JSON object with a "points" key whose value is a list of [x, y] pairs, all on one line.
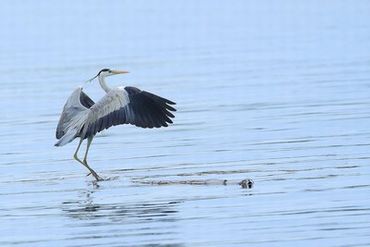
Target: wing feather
{"points": [[129, 105], [74, 112]]}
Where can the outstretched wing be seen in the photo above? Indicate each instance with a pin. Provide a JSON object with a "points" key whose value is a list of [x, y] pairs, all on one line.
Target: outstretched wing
{"points": [[73, 111], [128, 105]]}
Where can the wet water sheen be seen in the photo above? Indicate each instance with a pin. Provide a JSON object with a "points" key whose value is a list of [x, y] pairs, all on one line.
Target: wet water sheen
{"points": [[274, 91]]}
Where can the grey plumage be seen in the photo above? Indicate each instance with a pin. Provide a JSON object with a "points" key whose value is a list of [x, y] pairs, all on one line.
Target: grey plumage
{"points": [[129, 105], [75, 104], [142, 109], [83, 118]]}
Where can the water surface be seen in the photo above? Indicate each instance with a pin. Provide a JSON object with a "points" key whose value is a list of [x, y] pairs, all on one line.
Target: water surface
{"points": [[273, 91]]}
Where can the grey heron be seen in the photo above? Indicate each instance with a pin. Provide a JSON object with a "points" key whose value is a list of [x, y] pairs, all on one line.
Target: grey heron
{"points": [[83, 118]]}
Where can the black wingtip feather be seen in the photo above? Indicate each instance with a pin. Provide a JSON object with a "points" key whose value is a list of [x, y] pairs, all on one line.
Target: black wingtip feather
{"points": [[145, 110]]}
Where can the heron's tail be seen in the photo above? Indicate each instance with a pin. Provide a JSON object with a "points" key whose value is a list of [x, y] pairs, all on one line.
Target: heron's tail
{"points": [[67, 138]]}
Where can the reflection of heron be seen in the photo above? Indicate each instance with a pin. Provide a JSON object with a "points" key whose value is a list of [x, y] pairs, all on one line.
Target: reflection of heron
{"points": [[85, 207], [83, 118]]}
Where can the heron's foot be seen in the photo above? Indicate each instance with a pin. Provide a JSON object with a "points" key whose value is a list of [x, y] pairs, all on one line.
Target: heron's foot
{"points": [[104, 179], [96, 176]]}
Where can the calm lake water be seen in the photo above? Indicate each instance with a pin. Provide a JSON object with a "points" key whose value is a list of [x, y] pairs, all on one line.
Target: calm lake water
{"points": [[274, 91]]}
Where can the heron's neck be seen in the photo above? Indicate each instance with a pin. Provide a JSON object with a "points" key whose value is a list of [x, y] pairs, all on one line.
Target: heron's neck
{"points": [[103, 84]]}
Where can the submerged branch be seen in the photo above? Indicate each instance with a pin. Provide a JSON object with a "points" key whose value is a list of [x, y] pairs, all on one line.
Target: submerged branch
{"points": [[245, 183]]}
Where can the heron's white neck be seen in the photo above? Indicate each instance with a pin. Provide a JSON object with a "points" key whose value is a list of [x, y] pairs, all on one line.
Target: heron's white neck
{"points": [[103, 84]]}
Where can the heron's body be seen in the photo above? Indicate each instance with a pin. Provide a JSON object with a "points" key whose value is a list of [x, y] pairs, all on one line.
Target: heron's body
{"points": [[83, 118]]}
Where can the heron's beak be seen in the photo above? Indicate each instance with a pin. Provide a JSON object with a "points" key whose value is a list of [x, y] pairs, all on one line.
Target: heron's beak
{"points": [[116, 72]]}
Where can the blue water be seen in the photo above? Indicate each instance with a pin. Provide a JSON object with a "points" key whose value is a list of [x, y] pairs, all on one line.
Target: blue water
{"points": [[274, 91]]}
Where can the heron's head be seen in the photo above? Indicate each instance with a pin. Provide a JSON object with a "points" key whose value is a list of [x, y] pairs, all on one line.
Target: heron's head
{"points": [[107, 72]]}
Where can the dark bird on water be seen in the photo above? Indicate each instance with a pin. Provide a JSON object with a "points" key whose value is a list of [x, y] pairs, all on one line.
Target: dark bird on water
{"points": [[83, 118]]}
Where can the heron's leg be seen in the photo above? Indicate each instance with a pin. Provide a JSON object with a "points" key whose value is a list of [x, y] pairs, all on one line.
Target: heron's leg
{"points": [[86, 165], [76, 157], [89, 140], [87, 150], [78, 148]]}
